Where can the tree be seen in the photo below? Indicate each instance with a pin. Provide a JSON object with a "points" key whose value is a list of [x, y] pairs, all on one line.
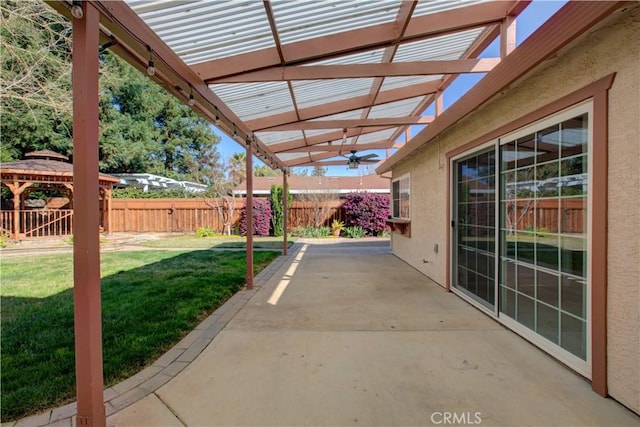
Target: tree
{"points": [[142, 128], [36, 104], [224, 202], [237, 168], [319, 171], [146, 130], [266, 171], [277, 209]]}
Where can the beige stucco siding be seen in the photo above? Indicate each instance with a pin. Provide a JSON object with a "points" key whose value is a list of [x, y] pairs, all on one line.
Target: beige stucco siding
{"points": [[610, 48]]}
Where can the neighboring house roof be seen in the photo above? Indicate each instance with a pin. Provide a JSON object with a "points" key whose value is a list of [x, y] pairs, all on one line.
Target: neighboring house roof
{"points": [[43, 164], [318, 184], [147, 181]]}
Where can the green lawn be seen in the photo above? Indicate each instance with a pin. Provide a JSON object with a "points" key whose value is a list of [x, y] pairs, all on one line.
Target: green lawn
{"points": [[150, 300], [192, 242]]}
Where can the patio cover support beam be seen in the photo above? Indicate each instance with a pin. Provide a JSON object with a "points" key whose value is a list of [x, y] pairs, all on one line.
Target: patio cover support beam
{"points": [[249, 210], [354, 71], [352, 123], [86, 249], [338, 148], [507, 35], [285, 213]]}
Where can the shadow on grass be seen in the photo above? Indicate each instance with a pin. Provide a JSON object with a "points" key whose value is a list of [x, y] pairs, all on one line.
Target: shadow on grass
{"points": [[145, 311], [190, 242]]}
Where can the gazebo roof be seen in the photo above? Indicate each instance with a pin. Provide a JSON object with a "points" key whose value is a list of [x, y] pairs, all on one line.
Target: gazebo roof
{"points": [[36, 168]]}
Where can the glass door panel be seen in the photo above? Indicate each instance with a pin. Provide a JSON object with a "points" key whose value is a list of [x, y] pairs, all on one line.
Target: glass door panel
{"points": [[543, 215], [474, 206]]}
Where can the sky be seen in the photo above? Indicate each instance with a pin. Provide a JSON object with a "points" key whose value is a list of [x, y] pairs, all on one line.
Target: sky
{"points": [[527, 22]]}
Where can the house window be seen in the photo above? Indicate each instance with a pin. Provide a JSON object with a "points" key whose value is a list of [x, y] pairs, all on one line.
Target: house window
{"points": [[400, 195]]}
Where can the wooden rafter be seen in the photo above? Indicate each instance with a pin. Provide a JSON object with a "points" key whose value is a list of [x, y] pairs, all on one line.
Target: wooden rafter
{"points": [[351, 123], [358, 40], [351, 71]]}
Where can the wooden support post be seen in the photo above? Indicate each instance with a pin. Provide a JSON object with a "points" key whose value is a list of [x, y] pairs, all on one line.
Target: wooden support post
{"points": [[507, 36], [439, 102], [285, 214], [108, 194], [249, 172], [16, 208], [86, 248]]}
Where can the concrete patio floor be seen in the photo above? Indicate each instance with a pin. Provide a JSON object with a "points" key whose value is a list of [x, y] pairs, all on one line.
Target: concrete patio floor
{"points": [[346, 334]]}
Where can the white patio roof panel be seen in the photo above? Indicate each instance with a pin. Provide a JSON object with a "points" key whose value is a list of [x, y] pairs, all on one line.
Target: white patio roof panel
{"points": [[281, 136], [306, 19], [369, 57], [450, 46], [376, 136], [202, 31], [316, 92], [435, 6], [320, 132], [395, 109], [354, 114], [254, 100], [292, 156], [399, 82]]}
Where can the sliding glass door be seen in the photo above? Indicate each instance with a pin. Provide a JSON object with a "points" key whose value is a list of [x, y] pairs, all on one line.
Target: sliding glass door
{"points": [[543, 256], [474, 225]]}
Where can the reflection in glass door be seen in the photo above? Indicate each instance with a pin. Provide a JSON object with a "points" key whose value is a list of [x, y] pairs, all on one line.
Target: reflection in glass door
{"points": [[475, 231], [543, 280]]}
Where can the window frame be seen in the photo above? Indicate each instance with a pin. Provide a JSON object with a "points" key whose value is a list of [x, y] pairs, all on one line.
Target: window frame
{"points": [[398, 214]]}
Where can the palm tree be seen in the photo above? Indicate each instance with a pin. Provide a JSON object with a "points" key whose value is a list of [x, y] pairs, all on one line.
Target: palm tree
{"points": [[237, 168]]}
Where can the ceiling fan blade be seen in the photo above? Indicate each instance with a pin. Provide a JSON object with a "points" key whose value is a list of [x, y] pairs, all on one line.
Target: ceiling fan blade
{"points": [[369, 160], [368, 156]]}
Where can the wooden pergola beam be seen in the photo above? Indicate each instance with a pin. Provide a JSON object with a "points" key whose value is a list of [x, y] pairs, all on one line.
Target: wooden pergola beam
{"points": [[351, 71], [351, 123], [336, 148]]}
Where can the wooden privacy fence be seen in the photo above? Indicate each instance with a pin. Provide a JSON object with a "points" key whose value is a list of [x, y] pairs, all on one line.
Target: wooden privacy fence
{"points": [[187, 215]]}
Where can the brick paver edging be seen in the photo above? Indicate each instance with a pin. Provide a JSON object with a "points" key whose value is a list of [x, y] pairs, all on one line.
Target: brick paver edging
{"points": [[169, 364]]}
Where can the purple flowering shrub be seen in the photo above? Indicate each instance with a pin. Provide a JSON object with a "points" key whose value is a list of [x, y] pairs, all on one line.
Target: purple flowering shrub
{"points": [[367, 210], [261, 218]]}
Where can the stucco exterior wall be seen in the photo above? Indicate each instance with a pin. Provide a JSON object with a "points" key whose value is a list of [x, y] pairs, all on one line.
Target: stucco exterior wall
{"points": [[613, 46]]}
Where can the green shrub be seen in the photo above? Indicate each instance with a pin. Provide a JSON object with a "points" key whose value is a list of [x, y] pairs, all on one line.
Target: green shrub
{"points": [[205, 232], [308, 231], [4, 239], [355, 232]]}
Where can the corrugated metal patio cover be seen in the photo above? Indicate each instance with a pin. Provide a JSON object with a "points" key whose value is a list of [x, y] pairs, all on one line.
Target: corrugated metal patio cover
{"points": [[314, 79]]}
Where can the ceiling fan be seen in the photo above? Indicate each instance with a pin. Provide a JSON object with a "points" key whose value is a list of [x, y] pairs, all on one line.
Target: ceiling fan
{"points": [[354, 161]]}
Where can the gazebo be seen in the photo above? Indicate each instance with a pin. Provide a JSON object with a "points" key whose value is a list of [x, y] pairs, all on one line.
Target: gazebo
{"points": [[49, 171]]}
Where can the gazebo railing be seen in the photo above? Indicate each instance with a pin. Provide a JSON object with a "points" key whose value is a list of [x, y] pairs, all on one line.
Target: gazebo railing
{"points": [[6, 222], [38, 222], [47, 223]]}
